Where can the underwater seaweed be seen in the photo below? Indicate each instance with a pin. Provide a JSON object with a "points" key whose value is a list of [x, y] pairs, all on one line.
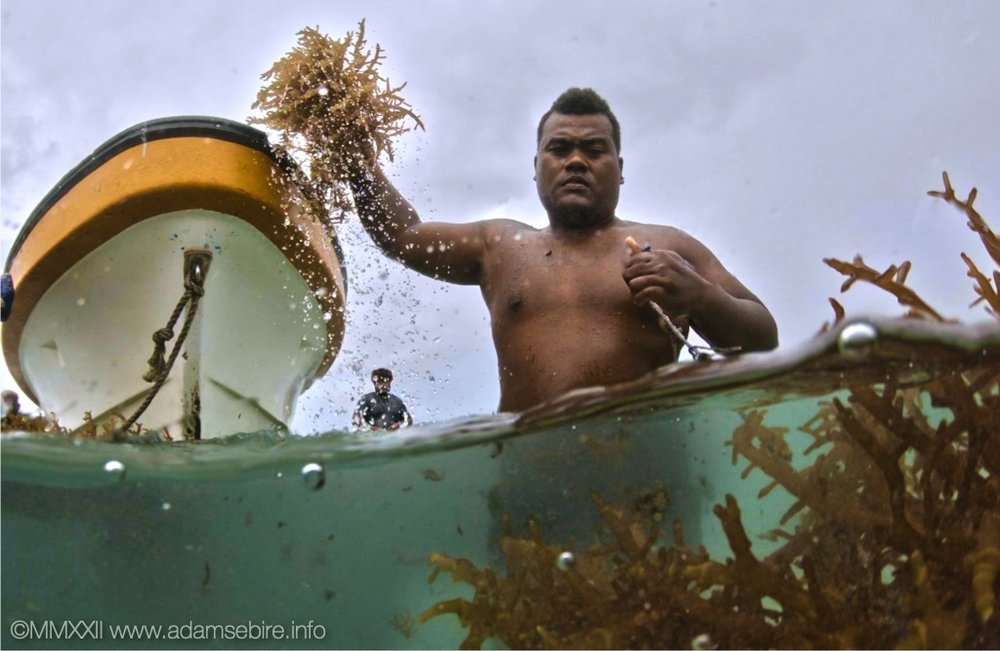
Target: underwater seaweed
{"points": [[892, 539], [329, 104], [404, 623]]}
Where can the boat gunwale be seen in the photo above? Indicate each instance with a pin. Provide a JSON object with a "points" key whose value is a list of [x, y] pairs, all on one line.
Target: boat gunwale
{"points": [[181, 126]]}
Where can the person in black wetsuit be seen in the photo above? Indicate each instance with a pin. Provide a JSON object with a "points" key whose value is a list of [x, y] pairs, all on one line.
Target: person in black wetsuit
{"points": [[381, 410]]}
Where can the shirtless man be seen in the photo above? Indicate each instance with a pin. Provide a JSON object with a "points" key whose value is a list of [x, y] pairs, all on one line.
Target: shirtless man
{"points": [[567, 303]]}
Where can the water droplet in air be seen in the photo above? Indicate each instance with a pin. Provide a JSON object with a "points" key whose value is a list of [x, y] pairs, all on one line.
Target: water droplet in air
{"points": [[166, 506], [857, 340], [566, 561], [703, 642], [115, 469], [81, 302], [322, 91], [314, 475]]}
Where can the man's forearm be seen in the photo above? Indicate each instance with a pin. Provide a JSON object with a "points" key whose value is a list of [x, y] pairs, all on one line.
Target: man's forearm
{"points": [[384, 213], [725, 321]]}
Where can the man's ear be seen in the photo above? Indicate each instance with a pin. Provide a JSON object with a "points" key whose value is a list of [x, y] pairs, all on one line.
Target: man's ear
{"points": [[621, 169], [534, 166]]}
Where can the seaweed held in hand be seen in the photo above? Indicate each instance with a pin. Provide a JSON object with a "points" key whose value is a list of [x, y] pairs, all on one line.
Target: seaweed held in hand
{"points": [[331, 107], [892, 539]]}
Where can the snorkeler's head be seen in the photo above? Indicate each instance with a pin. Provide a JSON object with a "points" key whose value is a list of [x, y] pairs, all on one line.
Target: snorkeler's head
{"points": [[382, 379]]}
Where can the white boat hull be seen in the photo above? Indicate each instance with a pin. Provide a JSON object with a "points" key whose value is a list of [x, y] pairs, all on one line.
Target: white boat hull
{"points": [[99, 269], [257, 339]]}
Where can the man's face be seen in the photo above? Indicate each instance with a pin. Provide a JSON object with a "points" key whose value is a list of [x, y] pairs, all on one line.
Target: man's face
{"points": [[382, 384], [577, 169]]}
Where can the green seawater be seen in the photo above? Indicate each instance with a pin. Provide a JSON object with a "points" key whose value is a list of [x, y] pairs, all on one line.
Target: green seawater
{"points": [[322, 541]]}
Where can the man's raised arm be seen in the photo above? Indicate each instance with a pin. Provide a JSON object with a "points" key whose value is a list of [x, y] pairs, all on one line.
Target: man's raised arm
{"points": [[450, 252]]}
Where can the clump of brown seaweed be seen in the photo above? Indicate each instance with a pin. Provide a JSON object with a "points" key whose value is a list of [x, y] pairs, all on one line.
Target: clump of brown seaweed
{"points": [[34, 423], [329, 104], [15, 420], [894, 537], [108, 428]]}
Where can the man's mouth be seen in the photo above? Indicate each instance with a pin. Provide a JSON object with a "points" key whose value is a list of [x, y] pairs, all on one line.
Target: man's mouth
{"points": [[575, 182]]}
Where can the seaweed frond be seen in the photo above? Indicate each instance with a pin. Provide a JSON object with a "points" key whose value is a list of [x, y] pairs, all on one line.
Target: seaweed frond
{"points": [[976, 222], [331, 108], [893, 279]]}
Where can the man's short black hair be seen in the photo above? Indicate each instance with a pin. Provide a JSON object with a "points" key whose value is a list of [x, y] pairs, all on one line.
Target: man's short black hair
{"points": [[582, 101], [383, 373]]}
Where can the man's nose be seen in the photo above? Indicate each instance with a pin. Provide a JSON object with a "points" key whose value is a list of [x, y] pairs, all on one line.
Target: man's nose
{"points": [[576, 161]]}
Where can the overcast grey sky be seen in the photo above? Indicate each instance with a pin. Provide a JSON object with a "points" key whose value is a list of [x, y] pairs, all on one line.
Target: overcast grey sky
{"points": [[778, 133]]}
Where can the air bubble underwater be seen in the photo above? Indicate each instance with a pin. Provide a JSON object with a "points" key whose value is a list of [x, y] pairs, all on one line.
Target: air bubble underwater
{"points": [[314, 476], [566, 561], [115, 469], [857, 340]]}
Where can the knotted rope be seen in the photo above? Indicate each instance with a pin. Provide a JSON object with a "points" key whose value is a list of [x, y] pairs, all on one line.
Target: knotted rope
{"points": [[699, 353], [195, 267]]}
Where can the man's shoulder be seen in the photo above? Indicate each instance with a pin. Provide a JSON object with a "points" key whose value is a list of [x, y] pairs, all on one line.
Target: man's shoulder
{"points": [[658, 235], [663, 230], [502, 226]]}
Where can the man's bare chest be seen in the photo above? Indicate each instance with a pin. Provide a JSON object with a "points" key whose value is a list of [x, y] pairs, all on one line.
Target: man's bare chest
{"points": [[538, 277]]}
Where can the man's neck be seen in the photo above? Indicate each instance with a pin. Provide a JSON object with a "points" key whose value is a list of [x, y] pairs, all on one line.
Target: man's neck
{"points": [[577, 231]]}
